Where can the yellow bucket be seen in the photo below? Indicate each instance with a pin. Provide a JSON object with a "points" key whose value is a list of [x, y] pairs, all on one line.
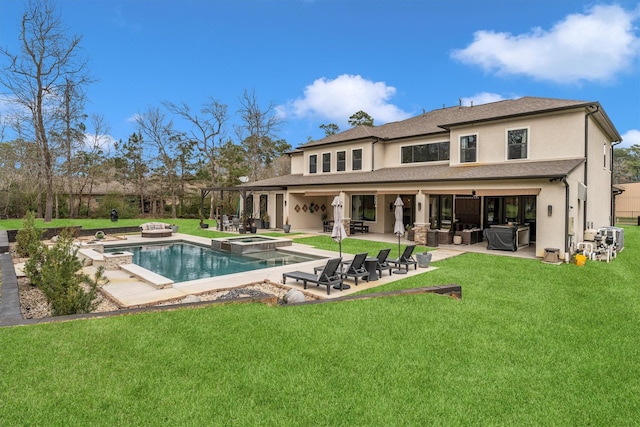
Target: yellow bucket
{"points": [[581, 260]]}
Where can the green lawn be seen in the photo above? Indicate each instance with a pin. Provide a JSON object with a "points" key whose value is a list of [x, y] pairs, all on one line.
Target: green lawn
{"points": [[529, 344]]}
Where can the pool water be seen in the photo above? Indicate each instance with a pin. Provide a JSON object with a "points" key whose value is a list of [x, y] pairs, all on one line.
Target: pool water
{"points": [[182, 262]]}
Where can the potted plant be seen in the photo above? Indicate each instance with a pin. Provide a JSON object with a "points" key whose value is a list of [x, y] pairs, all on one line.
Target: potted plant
{"points": [[265, 221], [254, 228], [286, 227]]}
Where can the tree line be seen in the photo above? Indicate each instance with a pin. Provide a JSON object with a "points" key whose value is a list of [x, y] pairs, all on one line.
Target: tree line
{"points": [[58, 156]]}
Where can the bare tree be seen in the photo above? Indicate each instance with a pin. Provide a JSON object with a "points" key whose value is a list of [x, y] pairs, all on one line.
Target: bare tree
{"points": [[37, 76], [206, 133], [257, 134], [159, 132], [91, 159], [71, 138]]}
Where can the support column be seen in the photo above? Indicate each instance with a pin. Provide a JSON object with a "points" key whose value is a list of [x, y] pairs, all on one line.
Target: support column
{"points": [[420, 236]]}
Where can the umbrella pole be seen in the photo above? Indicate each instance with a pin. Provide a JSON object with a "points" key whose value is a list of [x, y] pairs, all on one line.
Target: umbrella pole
{"points": [[399, 270]]}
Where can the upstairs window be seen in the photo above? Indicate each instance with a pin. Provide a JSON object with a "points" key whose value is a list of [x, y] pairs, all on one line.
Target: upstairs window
{"points": [[326, 162], [468, 148], [425, 153], [313, 163], [517, 144], [356, 159], [341, 164]]}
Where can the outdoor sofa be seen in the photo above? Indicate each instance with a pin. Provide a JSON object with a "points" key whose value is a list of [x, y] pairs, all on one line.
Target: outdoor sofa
{"points": [[156, 229]]}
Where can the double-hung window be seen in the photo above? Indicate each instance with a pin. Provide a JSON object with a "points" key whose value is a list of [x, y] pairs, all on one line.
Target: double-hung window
{"points": [[356, 159], [517, 144], [326, 162], [469, 149], [313, 163], [341, 164]]}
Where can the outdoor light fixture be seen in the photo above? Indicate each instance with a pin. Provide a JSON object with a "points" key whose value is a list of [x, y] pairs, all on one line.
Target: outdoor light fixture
{"points": [[419, 206], [549, 210]]}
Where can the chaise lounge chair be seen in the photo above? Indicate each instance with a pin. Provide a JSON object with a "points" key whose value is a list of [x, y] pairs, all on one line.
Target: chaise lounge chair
{"points": [[355, 269], [406, 258], [329, 275], [383, 263]]}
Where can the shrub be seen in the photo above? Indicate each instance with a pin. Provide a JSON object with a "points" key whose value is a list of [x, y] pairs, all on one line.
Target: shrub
{"points": [[57, 272], [28, 237]]}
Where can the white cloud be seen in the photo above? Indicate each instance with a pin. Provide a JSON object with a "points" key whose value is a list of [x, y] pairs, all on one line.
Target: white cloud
{"points": [[481, 98], [594, 46], [336, 100], [630, 137]]}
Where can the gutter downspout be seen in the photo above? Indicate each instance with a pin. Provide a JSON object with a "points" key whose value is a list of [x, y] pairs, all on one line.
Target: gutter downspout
{"points": [[373, 154], [613, 197], [586, 161], [566, 213]]}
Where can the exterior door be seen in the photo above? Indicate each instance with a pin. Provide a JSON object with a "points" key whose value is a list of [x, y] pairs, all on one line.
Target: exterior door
{"points": [[279, 210]]}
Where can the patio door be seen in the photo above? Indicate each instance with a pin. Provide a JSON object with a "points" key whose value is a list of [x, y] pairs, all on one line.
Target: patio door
{"points": [[279, 210]]}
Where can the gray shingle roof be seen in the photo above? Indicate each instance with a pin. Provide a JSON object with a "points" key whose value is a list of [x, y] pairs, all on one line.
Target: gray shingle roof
{"points": [[432, 173], [440, 120]]}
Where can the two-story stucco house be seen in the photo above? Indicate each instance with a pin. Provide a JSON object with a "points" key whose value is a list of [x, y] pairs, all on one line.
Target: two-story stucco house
{"points": [[540, 163]]}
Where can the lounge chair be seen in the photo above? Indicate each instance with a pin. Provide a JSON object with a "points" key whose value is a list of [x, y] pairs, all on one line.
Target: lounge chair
{"points": [[406, 258], [355, 269], [383, 263], [328, 276]]}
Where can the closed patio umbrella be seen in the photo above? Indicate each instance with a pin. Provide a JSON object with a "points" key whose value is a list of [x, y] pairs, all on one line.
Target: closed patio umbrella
{"points": [[338, 232], [398, 228]]}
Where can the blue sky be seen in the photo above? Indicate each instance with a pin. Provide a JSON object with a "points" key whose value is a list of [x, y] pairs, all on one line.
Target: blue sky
{"points": [[319, 61]]}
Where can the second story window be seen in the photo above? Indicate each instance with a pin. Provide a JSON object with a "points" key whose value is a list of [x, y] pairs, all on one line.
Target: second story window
{"points": [[341, 164], [326, 162], [517, 144], [313, 163], [468, 148], [356, 161], [425, 153]]}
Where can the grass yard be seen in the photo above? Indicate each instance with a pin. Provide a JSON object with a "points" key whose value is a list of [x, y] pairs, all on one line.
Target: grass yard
{"points": [[529, 344]]}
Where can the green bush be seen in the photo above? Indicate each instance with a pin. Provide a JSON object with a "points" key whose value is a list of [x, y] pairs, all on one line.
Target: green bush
{"points": [[57, 272], [28, 237]]}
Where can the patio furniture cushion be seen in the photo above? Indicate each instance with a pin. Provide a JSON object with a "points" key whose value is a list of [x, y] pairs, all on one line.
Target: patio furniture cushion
{"points": [[155, 229]]}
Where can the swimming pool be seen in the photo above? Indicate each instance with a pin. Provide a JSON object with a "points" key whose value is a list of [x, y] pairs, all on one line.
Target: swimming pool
{"points": [[182, 261]]}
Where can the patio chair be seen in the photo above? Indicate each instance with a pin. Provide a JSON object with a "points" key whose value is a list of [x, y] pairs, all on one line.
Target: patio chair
{"points": [[355, 269], [235, 223], [226, 224], [329, 276], [383, 263], [406, 258]]}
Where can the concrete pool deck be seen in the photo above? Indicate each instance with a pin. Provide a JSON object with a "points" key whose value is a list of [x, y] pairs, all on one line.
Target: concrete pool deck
{"points": [[130, 291]]}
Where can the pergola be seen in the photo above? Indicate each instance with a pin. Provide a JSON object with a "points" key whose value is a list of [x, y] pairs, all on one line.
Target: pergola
{"points": [[242, 189]]}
